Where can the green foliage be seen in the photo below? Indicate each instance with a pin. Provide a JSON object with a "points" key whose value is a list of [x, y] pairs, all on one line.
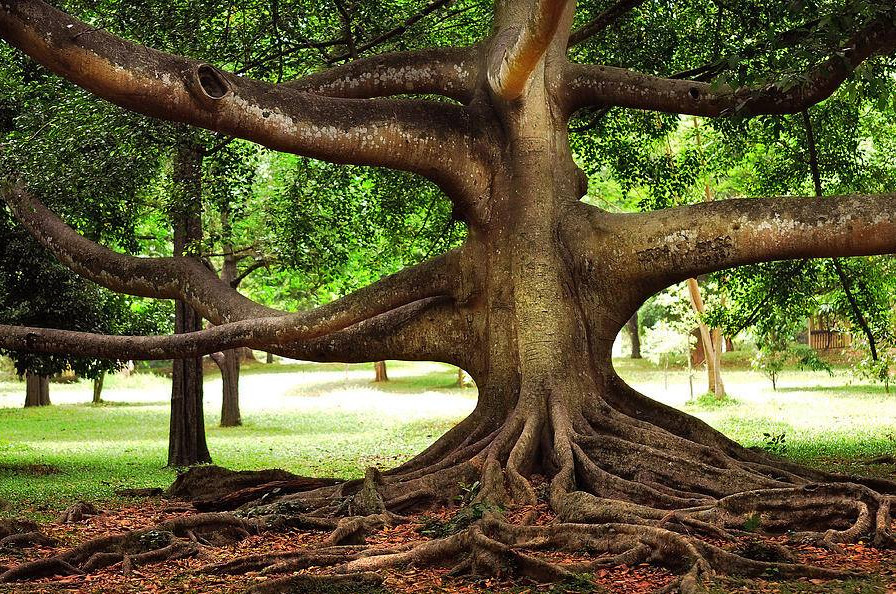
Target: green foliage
{"points": [[645, 161], [336, 228], [778, 352], [39, 291], [709, 401], [468, 493], [461, 520], [775, 444], [752, 523], [662, 340]]}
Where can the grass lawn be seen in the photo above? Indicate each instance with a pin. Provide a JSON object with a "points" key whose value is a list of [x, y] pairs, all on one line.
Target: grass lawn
{"points": [[330, 419]]}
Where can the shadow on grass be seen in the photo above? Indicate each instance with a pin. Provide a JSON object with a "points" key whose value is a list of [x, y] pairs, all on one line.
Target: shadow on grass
{"points": [[121, 404], [850, 389], [410, 385], [28, 469]]}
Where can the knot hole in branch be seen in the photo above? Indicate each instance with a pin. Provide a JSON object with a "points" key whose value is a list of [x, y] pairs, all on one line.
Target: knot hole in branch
{"points": [[694, 92], [212, 83]]}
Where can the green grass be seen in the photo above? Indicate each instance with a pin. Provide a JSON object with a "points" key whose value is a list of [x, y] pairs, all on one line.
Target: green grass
{"points": [[331, 419], [311, 420]]}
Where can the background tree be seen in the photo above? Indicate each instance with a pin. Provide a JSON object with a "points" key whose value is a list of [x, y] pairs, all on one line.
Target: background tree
{"points": [[533, 299]]}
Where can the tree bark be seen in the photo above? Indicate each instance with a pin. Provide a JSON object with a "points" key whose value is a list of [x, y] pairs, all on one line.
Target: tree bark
{"points": [[37, 390], [712, 343], [98, 388], [186, 437], [635, 336], [229, 363], [530, 306], [379, 368]]}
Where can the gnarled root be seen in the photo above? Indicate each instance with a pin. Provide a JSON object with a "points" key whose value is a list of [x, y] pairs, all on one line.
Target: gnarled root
{"points": [[628, 484], [174, 539]]}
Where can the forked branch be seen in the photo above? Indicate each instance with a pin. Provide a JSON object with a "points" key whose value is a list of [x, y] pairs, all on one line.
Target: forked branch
{"points": [[603, 20], [376, 310], [609, 86], [423, 330], [675, 244], [518, 53], [424, 137], [185, 279]]}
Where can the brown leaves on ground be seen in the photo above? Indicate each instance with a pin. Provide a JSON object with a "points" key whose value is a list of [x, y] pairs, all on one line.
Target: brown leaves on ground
{"points": [[879, 566]]}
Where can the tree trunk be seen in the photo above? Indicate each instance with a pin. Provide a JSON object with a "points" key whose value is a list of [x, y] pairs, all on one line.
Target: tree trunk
{"points": [[712, 343], [634, 335], [246, 354], [269, 358], [530, 305], [37, 390], [229, 361], [229, 364], [186, 438], [98, 388], [379, 369]]}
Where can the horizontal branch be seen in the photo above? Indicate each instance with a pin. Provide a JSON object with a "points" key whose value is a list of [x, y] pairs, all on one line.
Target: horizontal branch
{"points": [[424, 330], [430, 330], [609, 86], [518, 52], [450, 72], [177, 277], [678, 243], [185, 279], [424, 137]]}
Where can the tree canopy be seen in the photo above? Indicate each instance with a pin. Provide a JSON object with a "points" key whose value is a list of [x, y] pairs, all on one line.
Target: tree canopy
{"points": [[503, 111]]}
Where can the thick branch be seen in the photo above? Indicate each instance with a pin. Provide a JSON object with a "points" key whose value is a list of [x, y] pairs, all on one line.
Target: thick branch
{"points": [[675, 244], [365, 309], [451, 72], [602, 21], [424, 137], [605, 85], [431, 330], [516, 57], [185, 279]]}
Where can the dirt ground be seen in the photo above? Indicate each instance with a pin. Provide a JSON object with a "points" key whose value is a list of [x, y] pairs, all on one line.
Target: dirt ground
{"points": [[875, 569]]}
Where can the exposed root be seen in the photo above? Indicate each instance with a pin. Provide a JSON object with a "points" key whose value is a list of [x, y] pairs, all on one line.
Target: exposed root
{"points": [[168, 540], [313, 583], [17, 534], [625, 488], [25, 539], [76, 513]]}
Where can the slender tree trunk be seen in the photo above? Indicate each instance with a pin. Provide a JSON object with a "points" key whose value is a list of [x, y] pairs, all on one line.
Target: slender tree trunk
{"points": [[98, 388], [380, 369], [246, 354], [37, 390], [634, 335], [712, 343], [712, 338], [186, 439], [269, 358], [229, 363]]}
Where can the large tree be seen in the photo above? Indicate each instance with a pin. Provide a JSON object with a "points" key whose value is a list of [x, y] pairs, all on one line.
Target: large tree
{"points": [[530, 303]]}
